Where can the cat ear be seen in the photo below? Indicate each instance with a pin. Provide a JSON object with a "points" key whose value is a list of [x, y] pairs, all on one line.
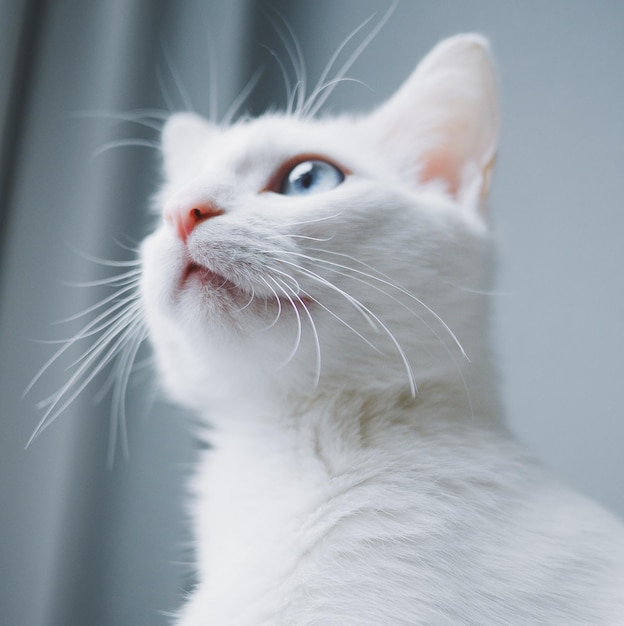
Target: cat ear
{"points": [[443, 123], [183, 135]]}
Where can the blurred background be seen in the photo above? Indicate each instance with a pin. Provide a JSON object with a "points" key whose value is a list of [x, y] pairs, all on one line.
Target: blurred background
{"points": [[84, 541]]}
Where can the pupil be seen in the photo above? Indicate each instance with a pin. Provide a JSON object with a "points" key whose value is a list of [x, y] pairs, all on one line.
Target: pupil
{"points": [[306, 179]]}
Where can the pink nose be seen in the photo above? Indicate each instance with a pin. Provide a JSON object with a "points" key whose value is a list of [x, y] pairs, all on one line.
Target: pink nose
{"points": [[185, 220]]}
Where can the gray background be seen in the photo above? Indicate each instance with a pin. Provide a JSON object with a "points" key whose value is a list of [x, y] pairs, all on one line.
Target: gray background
{"points": [[83, 544]]}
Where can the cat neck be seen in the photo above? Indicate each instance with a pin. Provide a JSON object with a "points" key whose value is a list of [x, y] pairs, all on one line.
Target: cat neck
{"points": [[289, 473], [382, 412]]}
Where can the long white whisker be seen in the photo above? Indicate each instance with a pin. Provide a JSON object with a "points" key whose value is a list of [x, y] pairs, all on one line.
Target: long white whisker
{"points": [[242, 97], [251, 299], [164, 90], [111, 379], [423, 321], [58, 406], [300, 70], [311, 111], [386, 280], [138, 116], [122, 143], [279, 306], [86, 331], [114, 326], [129, 287], [355, 302], [342, 321], [285, 78], [330, 86], [376, 288], [213, 66], [177, 79], [314, 331], [118, 419], [286, 275], [320, 85], [295, 53], [319, 219], [119, 280], [121, 321], [293, 351], [335, 288], [107, 319], [106, 262], [293, 236]]}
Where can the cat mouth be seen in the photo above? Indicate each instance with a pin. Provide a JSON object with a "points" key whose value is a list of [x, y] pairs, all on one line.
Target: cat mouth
{"points": [[194, 272]]}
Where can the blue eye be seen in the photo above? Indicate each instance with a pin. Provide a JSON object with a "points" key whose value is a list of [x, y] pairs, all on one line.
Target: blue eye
{"points": [[312, 176]]}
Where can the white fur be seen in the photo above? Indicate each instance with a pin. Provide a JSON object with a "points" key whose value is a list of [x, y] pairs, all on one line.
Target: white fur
{"points": [[360, 472]]}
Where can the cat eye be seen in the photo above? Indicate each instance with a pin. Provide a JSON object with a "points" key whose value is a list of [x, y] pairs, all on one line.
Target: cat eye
{"points": [[307, 177]]}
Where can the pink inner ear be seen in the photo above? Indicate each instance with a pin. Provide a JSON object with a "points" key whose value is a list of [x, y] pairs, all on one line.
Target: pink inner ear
{"points": [[441, 165]]}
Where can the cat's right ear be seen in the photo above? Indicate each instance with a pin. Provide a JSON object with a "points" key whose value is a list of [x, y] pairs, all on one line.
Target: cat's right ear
{"points": [[183, 136], [442, 125]]}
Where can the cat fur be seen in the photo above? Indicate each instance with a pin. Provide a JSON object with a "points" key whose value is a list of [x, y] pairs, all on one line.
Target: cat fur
{"points": [[360, 472]]}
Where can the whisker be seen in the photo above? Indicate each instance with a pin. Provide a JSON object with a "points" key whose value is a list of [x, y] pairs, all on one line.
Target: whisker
{"points": [[293, 236], [286, 275], [423, 321], [331, 85], [333, 314], [251, 299], [177, 79], [160, 79], [314, 331], [355, 302], [117, 323], [213, 83], [121, 321], [318, 219], [386, 280], [242, 97], [129, 287], [122, 377], [88, 330], [123, 143], [379, 290], [345, 294], [119, 280], [320, 101], [138, 116], [109, 383], [84, 333], [134, 246], [295, 53], [62, 401], [106, 262], [291, 354], [320, 85], [285, 78], [279, 306]]}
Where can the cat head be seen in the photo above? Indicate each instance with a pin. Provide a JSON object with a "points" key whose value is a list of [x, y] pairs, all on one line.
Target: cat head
{"points": [[298, 254]]}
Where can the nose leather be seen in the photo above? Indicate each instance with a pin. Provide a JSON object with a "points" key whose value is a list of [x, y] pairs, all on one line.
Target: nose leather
{"points": [[184, 220]]}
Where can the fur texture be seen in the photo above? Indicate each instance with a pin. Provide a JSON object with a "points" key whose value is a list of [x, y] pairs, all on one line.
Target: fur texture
{"points": [[335, 343]]}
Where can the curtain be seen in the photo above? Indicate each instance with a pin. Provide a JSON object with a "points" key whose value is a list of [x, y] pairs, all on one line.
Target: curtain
{"points": [[88, 539]]}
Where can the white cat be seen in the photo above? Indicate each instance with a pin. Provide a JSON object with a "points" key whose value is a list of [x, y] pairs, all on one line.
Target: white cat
{"points": [[315, 290]]}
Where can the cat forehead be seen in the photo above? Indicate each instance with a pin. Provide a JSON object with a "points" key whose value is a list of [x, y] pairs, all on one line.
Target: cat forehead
{"points": [[273, 138]]}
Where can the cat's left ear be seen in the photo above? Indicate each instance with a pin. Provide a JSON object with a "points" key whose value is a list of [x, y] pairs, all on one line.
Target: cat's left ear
{"points": [[443, 123]]}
